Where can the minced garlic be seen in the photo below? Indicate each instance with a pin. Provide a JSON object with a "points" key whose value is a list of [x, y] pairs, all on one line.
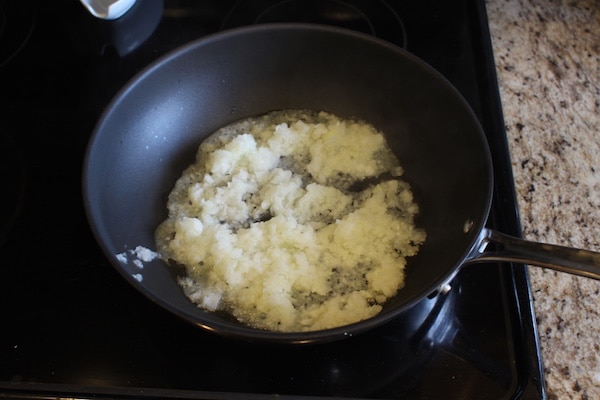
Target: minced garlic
{"points": [[269, 228]]}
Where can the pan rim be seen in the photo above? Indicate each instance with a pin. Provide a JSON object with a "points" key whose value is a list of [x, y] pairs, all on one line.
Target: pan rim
{"points": [[248, 333]]}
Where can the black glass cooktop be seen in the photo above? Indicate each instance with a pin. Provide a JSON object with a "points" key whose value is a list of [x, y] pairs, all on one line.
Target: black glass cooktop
{"points": [[73, 328]]}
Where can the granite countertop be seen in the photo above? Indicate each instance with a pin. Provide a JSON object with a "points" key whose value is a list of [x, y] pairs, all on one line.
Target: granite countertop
{"points": [[547, 55]]}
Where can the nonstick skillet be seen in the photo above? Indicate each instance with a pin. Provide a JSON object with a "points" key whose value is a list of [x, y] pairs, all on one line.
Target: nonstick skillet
{"points": [[152, 128]]}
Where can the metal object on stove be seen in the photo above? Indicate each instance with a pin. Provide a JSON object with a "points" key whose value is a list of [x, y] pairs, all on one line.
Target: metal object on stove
{"points": [[108, 9], [125, 30]]}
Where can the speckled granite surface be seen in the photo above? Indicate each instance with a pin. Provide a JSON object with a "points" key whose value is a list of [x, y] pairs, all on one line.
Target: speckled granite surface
{"points": [[548, 61]]}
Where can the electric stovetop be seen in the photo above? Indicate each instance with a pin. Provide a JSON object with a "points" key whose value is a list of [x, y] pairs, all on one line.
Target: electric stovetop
{"points": [[73, 328]]}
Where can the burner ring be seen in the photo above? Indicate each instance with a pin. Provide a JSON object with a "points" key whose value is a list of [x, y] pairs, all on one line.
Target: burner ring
{"points": [[334, 12], [16, 28], [376, 18]]}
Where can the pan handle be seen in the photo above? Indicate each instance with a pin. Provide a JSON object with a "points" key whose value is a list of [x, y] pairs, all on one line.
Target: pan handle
{"points": [[496, 246]]}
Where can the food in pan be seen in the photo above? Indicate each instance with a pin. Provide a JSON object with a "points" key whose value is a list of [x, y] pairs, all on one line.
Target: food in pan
{"points": [[292, 221]]}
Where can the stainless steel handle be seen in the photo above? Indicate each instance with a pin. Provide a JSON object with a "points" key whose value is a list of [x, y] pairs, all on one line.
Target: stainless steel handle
{"points": [[496, 246]]}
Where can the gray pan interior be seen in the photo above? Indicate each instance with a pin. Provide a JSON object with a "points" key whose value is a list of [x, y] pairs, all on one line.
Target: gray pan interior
{"points": [[150, 132]]}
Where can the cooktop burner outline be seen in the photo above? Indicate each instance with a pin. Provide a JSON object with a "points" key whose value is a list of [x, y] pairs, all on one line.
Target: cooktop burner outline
{"points": [[17, 22], [376, 17]]}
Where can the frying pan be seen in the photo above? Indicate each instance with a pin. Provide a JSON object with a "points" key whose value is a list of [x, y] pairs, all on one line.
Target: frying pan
{"points": [[152, 128]]}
